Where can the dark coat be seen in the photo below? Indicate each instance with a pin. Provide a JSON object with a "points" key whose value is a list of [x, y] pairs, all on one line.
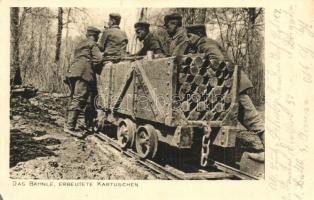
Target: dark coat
{"points": [[150, 43], [179, 43], [86, 56], [175, 45], [163, 39], [113, 42]]}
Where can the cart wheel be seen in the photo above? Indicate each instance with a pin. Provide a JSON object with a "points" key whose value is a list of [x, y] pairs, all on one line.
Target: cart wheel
{"points": [[125, 133], [146, 141]]}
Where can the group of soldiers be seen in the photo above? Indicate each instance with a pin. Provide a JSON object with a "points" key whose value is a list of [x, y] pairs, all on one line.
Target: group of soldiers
{"points": [[170, 40]]}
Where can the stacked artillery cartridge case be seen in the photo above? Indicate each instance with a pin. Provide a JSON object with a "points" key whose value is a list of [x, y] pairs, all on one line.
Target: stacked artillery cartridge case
{"points": [[204, 88]]}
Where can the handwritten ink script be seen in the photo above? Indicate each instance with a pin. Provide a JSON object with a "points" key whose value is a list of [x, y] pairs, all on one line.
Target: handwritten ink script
{"points": [[290, 65]]}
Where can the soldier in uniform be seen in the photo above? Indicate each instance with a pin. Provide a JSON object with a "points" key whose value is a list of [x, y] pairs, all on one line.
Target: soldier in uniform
{"points": [[150, 42], [163, 39], [172, 38], [179, 40], [81, 79], [113, 41], [248, 115]]}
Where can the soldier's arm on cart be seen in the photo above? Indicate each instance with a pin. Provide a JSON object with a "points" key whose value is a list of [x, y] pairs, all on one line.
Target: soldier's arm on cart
{"points": [[181, 45], [102, 40], [124, 47], [155, 46], [141, 52], [211, 49]]}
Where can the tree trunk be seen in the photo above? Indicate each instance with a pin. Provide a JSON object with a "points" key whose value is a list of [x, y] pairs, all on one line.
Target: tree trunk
{"points": [[254, 66], [143, 15], [201, 16], [59, 34], [15, 77]]}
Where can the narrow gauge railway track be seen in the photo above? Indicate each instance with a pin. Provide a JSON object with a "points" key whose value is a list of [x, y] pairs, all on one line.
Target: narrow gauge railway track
{"points": [[224, 172]]}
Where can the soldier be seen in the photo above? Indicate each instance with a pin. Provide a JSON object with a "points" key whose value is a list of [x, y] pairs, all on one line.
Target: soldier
{"points": [[248, 115], [81, 79], [200, 43], [113, 41], [179, 40], [150, 42], [172, 37]]}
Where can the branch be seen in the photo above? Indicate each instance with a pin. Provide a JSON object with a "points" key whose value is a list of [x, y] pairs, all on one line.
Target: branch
{"points": [[222, 39]]}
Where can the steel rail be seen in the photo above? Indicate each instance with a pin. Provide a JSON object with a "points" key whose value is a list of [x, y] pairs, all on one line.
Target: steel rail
{"points": [[171, 173]]}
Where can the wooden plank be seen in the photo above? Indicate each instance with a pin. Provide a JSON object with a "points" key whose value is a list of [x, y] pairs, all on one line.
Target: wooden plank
{"points": [[235, 172], [208, 176], [124, 87], [150, 90]]}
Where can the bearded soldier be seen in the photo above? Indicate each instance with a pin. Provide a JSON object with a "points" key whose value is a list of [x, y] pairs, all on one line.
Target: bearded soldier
{"points": [[248, 115], [81, 79], [150, 41]]}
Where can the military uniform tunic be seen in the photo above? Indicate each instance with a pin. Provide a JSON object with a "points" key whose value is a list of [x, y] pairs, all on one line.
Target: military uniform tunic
{"points": [[150, 43], [175, 45], [179, 43], [163, 40], [113, 42], [86, 55]]}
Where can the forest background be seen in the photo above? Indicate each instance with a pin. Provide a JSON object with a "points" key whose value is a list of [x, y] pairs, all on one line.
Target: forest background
{"points": [[43, 39]]}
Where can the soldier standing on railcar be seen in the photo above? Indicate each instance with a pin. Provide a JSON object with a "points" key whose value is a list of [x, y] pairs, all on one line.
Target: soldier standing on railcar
{"points": [[150, 41], [81, 79], [113, 41], [248, 115]]}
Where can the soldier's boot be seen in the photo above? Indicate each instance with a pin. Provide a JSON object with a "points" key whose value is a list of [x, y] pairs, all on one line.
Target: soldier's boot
{"points": [[90, 115], [71, 124], [260, 157]]}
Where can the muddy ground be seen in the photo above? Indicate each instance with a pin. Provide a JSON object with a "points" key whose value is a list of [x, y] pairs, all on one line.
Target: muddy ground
{"points": [[39, 149]]}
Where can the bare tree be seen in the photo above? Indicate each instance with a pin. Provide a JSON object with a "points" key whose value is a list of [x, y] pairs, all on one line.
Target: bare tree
{"points": [[59, 34], [143, 15], [15, 76], [192, 15]]}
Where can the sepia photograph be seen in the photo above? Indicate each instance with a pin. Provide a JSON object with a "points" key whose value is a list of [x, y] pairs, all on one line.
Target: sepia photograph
{"points": [[137, 93]]}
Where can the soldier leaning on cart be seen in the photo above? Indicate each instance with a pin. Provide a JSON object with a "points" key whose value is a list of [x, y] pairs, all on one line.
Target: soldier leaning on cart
{"points": [[81, 75], [81, 79], [150, 41], [173, 36], [248, 115]]}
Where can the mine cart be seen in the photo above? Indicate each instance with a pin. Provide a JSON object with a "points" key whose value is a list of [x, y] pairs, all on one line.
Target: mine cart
{"points": [[170, 100]]}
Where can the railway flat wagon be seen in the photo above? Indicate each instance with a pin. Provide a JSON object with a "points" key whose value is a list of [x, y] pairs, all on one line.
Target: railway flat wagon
{"points": [[170, 100]]}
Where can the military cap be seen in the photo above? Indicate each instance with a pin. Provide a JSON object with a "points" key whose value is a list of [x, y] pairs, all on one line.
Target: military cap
{"points": [[141, 25], [92, 29], [172, 16], [196, 28], [115, 16]]}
